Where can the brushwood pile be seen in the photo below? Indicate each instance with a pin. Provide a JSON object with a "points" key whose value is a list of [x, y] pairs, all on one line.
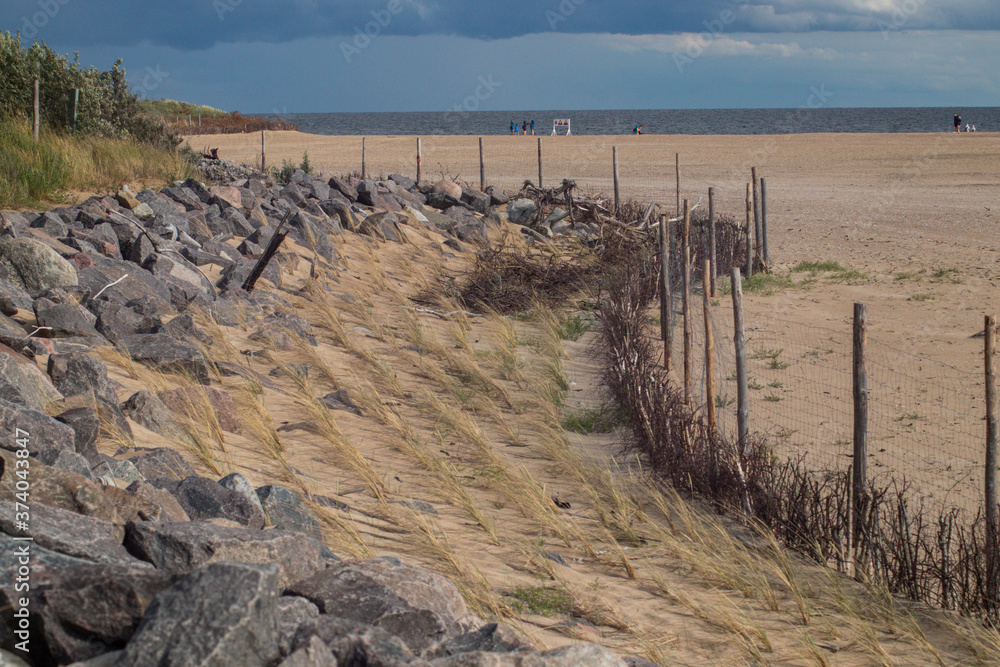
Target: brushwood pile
{"points": [[132, 558]]}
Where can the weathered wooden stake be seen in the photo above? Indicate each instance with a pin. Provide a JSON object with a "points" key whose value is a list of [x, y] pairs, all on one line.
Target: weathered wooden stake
{"points": [[686, 300], [614, 164], [742, 388], [709, 359], [364, 167], [756, 210], [419, 158], [677, 172], [482, 166], [37, 117], [763, 219], [539, 162], [749, 267], [992, 431], [266, 256], [860, 464], [666, 310], [711, 239], [263, 156]]}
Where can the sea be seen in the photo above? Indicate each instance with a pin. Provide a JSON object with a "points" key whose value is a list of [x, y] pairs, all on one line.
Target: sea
{"points": [[653, 121]]}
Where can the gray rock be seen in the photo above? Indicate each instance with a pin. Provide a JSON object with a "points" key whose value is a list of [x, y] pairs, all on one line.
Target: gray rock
{"points": [[490, 638], [68, 533], [85, 610], [497, 198], [146, 409], [34, 265], [354, 643], [178, 268], [67, 461], [472, 232], [555, 216], [314, 653], [224, 614], [341, 400], [164, 353], [162, 463], [403, 181], [144, 212], [22, 382], [169, 509], [344, 188], [122, 470], [78, 373], [416, 605], [578, 655], [185, 547], [134, 285], [59, 489], [239, 484], [292, 613], [41, 431], [521, 211], [203, 498], [283, 509], [51, 224], [479, 201]]}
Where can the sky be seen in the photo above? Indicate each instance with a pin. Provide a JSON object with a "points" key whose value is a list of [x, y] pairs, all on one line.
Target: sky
{"points": [[313, 56]]}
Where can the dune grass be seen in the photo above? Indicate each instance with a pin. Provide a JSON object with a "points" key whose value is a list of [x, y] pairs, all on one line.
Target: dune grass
{"points": [[33, 174]]}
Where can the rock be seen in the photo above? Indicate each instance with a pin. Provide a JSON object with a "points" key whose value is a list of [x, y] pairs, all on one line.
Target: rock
{"points": [[490, 638], [33, 427], [144, 212], [314, 653], [447, 187], [77, 373], [497, 198], [185, 547], [58, 489], [180, 269], [68, 533], [293, 194], [521, 211], [578, 655], [170, 509], [292, 613], [479, 201], [66, 461], [416, 605], [160, 203], [224, 614], [126, 198], [228, 194], [165, 354], [341, 400], [473, 231], [162, 463], [239, 484], [341, 210], [383, 226], [191, 401], [284, 509], [234, 275], [35, 266], [23, 383], [85, 610], [131, 507], [237, 222], [203, 498], [122, 470], [146, 408], [344, 188], [403, 181], [122, 282], [354, 643], [51, 224]]}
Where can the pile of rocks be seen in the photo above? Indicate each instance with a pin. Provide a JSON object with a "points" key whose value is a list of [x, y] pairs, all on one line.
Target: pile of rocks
{"points": [[141, 561]]}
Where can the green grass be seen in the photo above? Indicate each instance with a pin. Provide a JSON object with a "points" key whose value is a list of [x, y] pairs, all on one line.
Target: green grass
{"points": [[760, 284], [540, 600], [34, 173], [604, 419], [765, 353], [573, 327], [816, 268], [772, 398], [171, 108], [921, 297]]}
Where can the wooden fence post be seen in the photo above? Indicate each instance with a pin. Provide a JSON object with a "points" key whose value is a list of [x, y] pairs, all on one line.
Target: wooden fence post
{"points": [[686, 299], [37, 113], [72, 108], [364, 167], [263, 159], [860, 463], [614, 165], [419, 158], [742, 388], [749, 266], [711, 240], [763, 219], [992, 556], [709, 359], [539, 163], [482, 167], [756, 210], [666, 310], [677, 173]]}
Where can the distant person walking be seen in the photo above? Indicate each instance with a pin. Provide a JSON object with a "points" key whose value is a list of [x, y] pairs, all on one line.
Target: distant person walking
{"points": [[517, 128], [524, 127], [512, 127], [637, 130], [958, 123], [532, 128]]}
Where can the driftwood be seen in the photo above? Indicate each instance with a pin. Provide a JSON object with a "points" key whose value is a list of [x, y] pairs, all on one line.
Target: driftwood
{"points": [[265, 258]]}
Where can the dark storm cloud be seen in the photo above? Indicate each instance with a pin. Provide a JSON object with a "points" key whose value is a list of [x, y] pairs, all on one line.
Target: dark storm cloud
{"points": [[200, 24]]}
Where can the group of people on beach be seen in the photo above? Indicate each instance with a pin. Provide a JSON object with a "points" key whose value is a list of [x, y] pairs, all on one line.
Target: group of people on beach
{"points": [[523, 128], [958, 125]]}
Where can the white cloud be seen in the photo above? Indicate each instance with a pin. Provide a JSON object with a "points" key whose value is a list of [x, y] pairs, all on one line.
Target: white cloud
{"points": [[716, 45]]}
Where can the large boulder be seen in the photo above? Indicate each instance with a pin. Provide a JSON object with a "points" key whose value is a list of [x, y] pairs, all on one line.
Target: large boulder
{"points": [[162, 463], [284, 509], [34, 428], [416, 605], [167, 354], [448, 187], [67, 532], [78, 373], [35, 266], [59, 489], [521, 211], [223, 614], [188, 546], [203, 499], [22, 382]]}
